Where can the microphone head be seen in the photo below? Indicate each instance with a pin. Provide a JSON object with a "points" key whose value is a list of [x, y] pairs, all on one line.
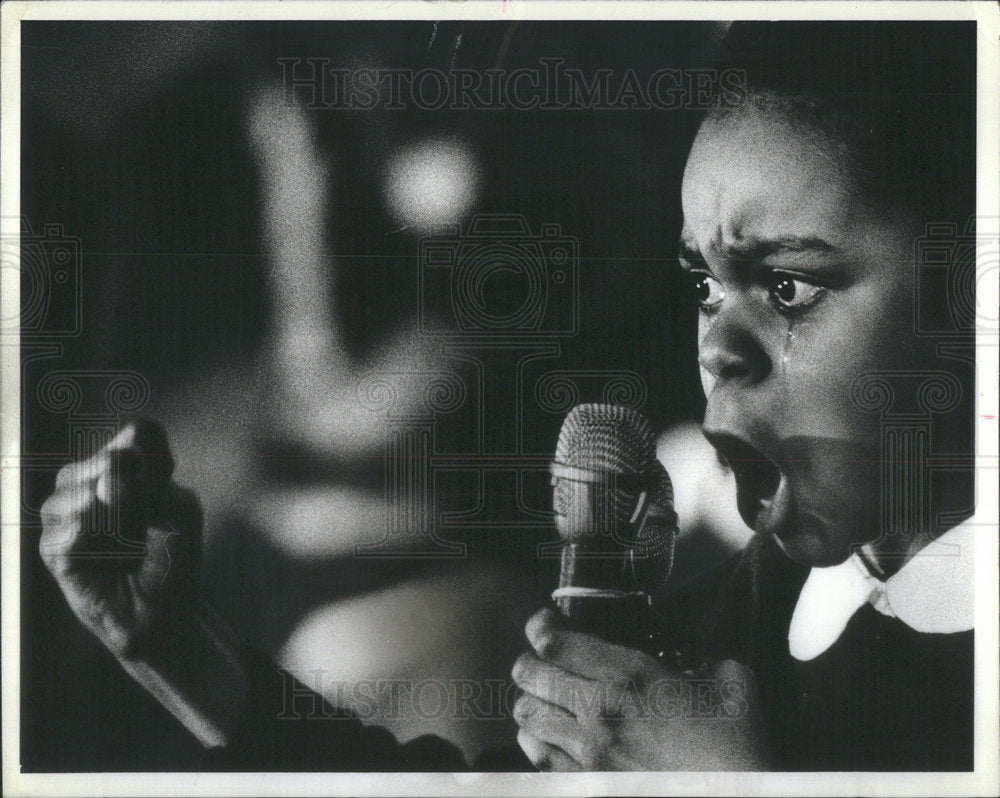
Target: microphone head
{"points": [[606, 438], [614, 450]]}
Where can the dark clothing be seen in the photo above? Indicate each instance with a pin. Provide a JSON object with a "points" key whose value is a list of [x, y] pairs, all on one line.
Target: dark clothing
{"points": [[883, 697], [287, 727]]}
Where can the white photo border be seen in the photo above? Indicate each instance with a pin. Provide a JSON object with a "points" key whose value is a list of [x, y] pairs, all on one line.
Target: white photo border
{"points": [[984, 780]]}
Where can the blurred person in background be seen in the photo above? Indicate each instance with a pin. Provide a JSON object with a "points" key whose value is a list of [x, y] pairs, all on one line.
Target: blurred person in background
{"points": [[255, 260]]}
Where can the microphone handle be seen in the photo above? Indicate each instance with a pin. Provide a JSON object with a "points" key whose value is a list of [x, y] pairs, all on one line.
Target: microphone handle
{"points": [[625, 620], [618, 616], [592, 598]]}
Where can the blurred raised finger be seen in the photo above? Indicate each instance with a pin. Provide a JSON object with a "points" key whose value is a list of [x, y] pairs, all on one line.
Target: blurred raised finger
{"points": [[149, 439], [83, 471], [65, 520]]}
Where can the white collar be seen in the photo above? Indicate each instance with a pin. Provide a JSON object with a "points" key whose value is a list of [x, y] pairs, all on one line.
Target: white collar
{"points": [[932, 593]]}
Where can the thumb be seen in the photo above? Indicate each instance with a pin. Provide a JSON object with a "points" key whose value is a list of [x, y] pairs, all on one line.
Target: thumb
{"points": [[159, 563], [173, 547]]}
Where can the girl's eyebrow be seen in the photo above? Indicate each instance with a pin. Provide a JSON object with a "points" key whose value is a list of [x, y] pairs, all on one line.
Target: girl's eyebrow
{"points": [[758, 249], [689, 252], [754, 250]]}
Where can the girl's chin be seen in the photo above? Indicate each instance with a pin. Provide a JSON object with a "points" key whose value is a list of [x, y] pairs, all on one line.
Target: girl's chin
{"points": [[812, 550]]}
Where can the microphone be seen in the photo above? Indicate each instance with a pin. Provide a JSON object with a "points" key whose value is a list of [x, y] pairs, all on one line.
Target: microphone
{"points": [[613, 505]]}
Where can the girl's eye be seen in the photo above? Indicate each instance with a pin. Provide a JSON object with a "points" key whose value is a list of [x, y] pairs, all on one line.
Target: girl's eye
{"points": [[707, 290], [789, 292]]}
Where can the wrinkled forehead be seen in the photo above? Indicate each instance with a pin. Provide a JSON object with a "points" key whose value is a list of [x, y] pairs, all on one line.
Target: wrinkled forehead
{"points": [[754, 174]]}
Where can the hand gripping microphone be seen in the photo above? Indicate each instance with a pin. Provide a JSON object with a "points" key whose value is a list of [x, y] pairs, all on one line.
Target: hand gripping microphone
{"points": [[614, 510]]}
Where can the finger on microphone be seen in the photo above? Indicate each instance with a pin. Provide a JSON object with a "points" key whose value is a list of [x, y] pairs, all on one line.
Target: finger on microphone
{"points": [[539, 622], [584, 654], [550, 723], [544, 756]]}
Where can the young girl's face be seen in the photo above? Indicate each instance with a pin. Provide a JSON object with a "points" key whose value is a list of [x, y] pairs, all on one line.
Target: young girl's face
{"points": [[802, 288]]}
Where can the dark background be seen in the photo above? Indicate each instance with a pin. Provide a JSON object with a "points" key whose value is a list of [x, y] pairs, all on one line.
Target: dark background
{"points": [[133, 141]]}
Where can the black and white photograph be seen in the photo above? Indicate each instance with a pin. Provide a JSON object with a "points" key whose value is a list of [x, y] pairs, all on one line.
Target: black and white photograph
{"points": [[500, 398]]}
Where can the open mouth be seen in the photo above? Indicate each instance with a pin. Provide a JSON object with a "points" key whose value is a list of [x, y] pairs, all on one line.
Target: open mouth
{"points": [[762, 493]]}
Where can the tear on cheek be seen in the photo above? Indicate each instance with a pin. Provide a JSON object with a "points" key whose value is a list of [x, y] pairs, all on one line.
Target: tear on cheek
{"points": [[788, 344], [707, 381]]}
